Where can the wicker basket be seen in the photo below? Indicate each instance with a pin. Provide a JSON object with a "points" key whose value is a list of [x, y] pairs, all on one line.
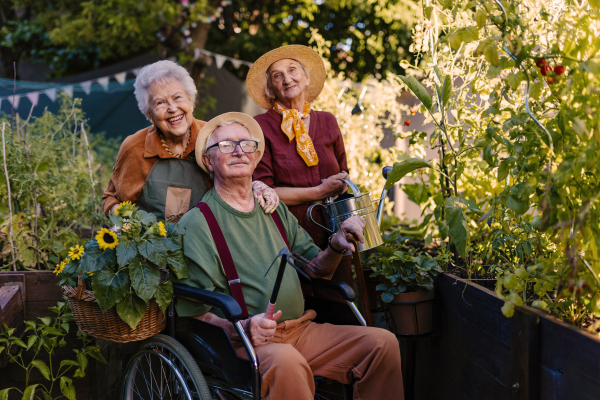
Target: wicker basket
{"points": [[108, 325]]}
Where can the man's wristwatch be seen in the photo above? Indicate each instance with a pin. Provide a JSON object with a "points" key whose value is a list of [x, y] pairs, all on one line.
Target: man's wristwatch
{"points": [[342, 251]]}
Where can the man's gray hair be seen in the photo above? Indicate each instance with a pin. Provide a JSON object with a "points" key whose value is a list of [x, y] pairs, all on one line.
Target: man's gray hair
{"points": [[210, 141], [161, 72], [269, 86]]}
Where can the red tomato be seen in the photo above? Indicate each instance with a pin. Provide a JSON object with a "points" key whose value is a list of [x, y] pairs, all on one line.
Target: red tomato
{"points": [[559, 70], [540, 63], [551, 80], [407, 122], [545, 69]]}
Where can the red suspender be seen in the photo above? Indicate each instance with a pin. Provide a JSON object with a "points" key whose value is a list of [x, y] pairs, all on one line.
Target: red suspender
{"points": [[225, 255], [281, 230]]}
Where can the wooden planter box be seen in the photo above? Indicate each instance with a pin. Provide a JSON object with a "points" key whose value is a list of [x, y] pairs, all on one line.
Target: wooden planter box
{"points": [[480, 354], [37, 291]]}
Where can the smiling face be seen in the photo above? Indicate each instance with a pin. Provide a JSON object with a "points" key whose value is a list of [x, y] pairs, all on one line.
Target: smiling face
{"points": [[288, 80], [171, 110], [235, 165]]}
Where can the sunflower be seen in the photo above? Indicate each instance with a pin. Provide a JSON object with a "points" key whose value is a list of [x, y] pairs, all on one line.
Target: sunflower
{"points": [[59, 267], [161, 229], [123, 204], [107, 239], [76, 252]]}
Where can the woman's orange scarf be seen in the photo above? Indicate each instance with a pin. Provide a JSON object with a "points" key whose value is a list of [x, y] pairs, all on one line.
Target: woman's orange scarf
{"points": [[293, 126]]}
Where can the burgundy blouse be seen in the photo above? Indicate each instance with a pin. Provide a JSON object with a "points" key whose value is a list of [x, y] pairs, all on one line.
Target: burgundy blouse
{"points": [[282, 166]]}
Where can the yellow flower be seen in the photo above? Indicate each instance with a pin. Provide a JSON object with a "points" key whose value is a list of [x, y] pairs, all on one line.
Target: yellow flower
{"points": [[76, 252], [161, 229], [125, 203], [90, 273], [59, 267], [107, 239]]}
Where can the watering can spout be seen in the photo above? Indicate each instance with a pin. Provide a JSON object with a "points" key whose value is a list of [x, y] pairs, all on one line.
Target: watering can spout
{"points": [[385, 172]]}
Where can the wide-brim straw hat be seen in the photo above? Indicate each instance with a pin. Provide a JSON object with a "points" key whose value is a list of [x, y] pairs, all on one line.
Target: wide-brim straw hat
{"points": [[312, 61], [243, 119]]}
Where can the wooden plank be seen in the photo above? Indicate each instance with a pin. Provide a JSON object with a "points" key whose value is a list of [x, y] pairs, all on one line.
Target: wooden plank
{"points": [[42, 286], [570, 361], [475, 304], [525, 355], [11, 314]]}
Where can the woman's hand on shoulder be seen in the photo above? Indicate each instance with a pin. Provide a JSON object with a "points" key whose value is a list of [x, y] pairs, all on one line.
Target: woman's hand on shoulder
{"points": [[333, 186], [267, 198]]}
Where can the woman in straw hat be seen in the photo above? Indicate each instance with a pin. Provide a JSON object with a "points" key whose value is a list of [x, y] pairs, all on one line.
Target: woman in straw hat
{"points": [[155, 167], [304, 156]]}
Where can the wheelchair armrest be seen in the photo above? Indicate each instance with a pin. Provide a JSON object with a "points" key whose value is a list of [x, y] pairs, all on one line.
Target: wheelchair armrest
{"points": [[231, 309], [341, 287]]}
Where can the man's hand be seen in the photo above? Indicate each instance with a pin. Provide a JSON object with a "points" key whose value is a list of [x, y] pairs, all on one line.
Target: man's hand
{"points": [[267, 198], [262, 329], [351, 229], [333, 186]]}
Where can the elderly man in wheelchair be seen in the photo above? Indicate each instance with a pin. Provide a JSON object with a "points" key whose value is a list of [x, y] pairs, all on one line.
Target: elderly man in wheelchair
{"points": [[241, 349]]}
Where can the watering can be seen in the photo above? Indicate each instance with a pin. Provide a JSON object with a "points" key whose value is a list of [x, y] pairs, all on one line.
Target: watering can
{"points": [[359, 204]]}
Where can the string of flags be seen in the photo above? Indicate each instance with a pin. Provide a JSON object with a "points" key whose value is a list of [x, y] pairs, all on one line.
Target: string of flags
{"points": [[50, 90]]}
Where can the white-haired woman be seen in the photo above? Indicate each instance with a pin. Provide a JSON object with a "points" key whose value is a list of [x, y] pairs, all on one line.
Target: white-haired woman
{"points": [[155, 167]]}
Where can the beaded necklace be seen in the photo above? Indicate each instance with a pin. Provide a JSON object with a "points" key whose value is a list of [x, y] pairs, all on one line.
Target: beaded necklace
{"points": [[168, 150]]}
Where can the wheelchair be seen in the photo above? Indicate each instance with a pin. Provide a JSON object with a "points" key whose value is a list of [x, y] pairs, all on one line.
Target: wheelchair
{"points": [[199, 361]]}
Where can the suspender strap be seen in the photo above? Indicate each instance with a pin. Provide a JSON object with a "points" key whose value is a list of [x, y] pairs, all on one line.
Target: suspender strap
{"points": [[280, 227], [225, 255]]}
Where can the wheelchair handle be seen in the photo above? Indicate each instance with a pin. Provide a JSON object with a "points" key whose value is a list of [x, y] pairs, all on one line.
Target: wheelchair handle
{"points": [[270, 311]]}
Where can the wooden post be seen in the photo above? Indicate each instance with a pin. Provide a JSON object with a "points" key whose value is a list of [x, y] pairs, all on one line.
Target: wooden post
{"points": [[524, 374], [362, 285]]}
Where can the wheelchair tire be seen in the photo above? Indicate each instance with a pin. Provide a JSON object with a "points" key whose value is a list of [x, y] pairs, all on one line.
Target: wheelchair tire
{"points": [[182, 369]]}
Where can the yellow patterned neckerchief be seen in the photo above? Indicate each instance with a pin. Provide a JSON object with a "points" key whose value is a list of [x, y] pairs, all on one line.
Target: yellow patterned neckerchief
{"points": [[293, 126]]}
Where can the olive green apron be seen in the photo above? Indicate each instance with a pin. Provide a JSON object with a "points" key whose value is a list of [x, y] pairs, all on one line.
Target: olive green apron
{"points": [[172, 187]]}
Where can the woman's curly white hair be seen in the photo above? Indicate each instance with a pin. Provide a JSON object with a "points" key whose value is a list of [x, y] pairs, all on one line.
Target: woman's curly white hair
{"points": [[160, 72]]}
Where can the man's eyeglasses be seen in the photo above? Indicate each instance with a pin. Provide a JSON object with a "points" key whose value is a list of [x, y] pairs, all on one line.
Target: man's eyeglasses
{"points": [[228, 146]]}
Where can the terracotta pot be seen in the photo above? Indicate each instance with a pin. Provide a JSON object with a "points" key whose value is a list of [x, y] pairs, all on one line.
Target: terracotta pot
{"points": [[413, 312]]}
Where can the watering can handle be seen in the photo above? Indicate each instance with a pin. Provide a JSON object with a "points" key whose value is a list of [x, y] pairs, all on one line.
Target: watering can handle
{"points": [[355, 189], [310, 218]]}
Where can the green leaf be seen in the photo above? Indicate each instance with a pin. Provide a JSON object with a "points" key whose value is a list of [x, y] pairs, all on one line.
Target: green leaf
{"points": [[146, 218], [174, 229], [95, 353], [154, 250], [83, 362], [4, 393], [402, 168], [446, 90], [29, 393], [42, 367], [144, 278], [419, 91], [131, 309], [503, 169], [178, 265], [481, 16], [94, 259], [67, 388], [19, 342], [69, 363], [517, 205], [110, 287], [457, 224], [387, 297], [164, 295], [31, 341], [170, 245], [46, 320], [126, 251]]}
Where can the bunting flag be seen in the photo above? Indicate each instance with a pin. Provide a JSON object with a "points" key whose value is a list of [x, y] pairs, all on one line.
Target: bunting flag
{"points": [[103, 82], [33, 97], [87, 86]]}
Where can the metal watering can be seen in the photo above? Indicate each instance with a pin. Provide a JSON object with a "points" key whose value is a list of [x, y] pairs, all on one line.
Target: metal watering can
{"points": [[358, 204]]}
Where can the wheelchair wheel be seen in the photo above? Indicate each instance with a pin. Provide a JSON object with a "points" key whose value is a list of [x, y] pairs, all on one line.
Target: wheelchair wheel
{"points": [[163, 369]]}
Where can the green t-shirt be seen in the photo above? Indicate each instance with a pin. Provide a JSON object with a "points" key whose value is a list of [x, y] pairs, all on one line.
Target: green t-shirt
{"points": [[254, 241]]}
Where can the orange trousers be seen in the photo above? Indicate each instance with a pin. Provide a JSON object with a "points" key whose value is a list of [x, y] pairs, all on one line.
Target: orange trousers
{"points": [[365, 356]]}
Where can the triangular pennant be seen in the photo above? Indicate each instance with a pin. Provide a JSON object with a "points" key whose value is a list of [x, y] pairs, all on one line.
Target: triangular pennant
{"points": [[120, 77], [103, 82], [136, 71], [51, 93], [220, 60], [68, 90], [33, 97], [86, 86], [236, 63], [14, 100]]}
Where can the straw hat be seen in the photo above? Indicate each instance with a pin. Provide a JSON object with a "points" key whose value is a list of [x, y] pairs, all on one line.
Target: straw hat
{"points": [[243, 119], [255, 80]]}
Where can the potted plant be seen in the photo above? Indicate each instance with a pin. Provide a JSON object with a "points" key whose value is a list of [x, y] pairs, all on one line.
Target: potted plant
{"points": [[407, 284], [123, 271]]}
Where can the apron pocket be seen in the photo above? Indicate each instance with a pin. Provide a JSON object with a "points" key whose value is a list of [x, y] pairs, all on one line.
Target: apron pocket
{"points": [[177, 203]]}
